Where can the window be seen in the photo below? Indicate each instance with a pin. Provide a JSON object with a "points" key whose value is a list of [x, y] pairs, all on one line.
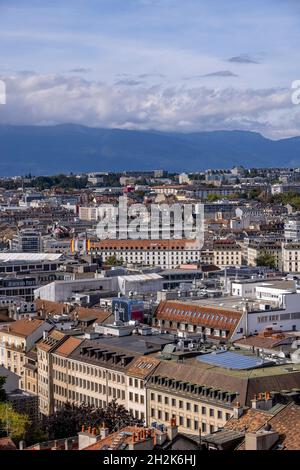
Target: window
{"points": [[211, 412], [180, 404], [152, 396], [180, 420], [188, 406], [188, 423], [220, 415], [203, 427], [203, 410], [173, 402], [166, 400], [196, 408], [196, 425]]}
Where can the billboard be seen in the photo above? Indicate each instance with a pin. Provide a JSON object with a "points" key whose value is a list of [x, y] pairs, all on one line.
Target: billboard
{"points": [[126, 310]]}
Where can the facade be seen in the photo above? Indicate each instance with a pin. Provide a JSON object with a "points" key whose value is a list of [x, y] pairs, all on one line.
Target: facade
{"points": [[45, 373], [292, 230], [291, 257], [167, 254], [254, 250], [27, 241], [16, 339], [226, 253]]}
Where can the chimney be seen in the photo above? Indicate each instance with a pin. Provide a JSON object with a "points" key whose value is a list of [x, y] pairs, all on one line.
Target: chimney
{"points": [[237, 410], [263, 401], [172, 429], [22, 445], [261, 440], [104, 431]]}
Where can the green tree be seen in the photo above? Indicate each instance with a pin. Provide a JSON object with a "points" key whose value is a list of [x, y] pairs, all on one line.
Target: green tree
{"points": [[212, 197], [68, 421], [113, 261], [12, 423], [266, 259], [2, 391]]}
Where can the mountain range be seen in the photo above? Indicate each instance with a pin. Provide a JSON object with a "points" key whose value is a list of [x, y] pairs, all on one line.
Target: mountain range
{"points": [[65, 148]]}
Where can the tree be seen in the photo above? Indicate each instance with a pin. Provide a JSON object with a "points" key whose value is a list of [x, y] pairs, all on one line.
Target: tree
{"points": [[12, 423], [212, 197], [266, 259], [68, 421], [2, 391], [113, 261]]}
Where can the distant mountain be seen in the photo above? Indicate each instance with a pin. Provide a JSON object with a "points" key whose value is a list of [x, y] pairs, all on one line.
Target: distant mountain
{"points": [[45, 150]]}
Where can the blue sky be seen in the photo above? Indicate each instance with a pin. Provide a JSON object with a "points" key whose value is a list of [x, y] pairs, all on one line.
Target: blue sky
{"points": [[166, 64]]}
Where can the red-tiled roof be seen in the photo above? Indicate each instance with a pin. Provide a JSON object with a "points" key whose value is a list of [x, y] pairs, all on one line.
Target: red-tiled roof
{"points": [[196, 314], [23, 327]]}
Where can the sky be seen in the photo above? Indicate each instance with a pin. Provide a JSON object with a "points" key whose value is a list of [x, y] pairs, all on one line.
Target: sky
{"points": [[169, 65]]}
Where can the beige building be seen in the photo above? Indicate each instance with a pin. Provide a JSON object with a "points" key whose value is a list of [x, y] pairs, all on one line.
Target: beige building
{"points": [[176, 391], [291, 258], [141, 368], [226, 253], [16, 339], [254, 250], [45, 375], [168, 254]]}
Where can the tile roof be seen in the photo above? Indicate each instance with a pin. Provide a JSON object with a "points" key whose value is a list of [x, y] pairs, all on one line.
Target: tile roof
{"points": [[196, 314], [89, 313], [52, 340], [146, 244], [286, 422], [117, 439], [23, 327], [7, 444], [251, 420], [68, 346], [143, 366], [47, 306]]}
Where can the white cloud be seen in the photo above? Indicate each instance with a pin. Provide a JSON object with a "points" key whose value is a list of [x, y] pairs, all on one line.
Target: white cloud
{"points": [[40, 99]]}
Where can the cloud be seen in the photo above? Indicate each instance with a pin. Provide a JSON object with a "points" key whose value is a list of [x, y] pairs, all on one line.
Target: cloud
{"points": [[37, 99], [244, 59], [80, 70], [220, 73], [128, 82]]}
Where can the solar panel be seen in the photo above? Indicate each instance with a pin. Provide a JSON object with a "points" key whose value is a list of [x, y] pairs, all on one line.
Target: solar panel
{"points": [[231, 360]]}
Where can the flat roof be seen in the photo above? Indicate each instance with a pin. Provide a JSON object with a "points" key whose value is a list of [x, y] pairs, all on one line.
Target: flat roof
{"points": [[30, 257], [232, 360]]}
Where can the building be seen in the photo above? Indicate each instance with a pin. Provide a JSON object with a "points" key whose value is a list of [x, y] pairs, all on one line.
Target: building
{"points": [[204, 397], [19, 263], [27, 241], [226, 253], [16, 339], [167, 254], [291, 257], [253, 307], [292, 230], [265, 428], [257, 249], [45, 374]]}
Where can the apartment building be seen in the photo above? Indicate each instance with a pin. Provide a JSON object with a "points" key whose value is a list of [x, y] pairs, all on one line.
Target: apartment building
{"points": [[203, 397], [45, 347], [16, 339], [89, 372], [215, 322], [291, 258], [256, 249], [168, 254], [138, 372], [226, 253]]}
